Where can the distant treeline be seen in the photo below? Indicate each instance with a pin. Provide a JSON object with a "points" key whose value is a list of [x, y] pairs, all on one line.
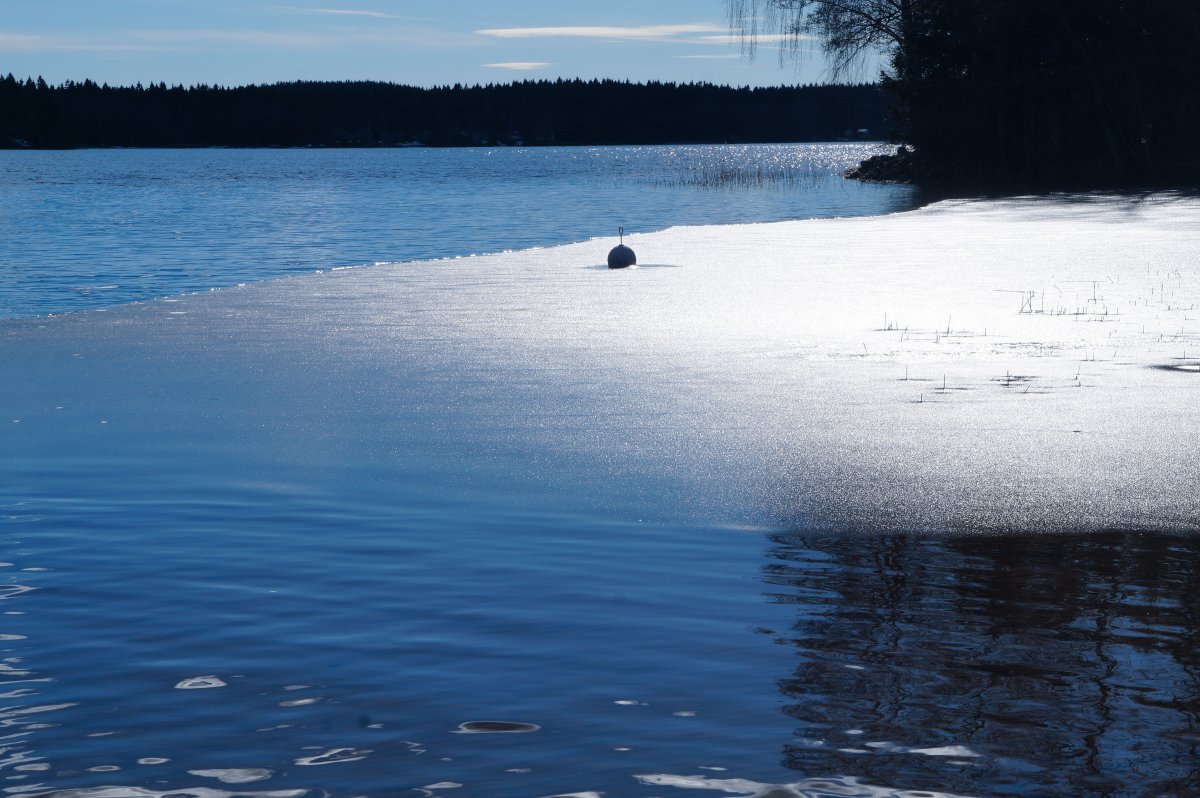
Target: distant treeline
{"points": [[355, 114]]}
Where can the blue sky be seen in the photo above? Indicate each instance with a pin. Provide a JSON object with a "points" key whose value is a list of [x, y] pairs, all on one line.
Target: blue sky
{"points": [[233, 42]]}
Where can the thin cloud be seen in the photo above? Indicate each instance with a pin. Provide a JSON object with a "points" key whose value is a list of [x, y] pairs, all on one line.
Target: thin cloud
{"points": [[732, 40], [257, 38], [305, 40], [350, 12], [607, 32], [343, 12], [135, 41], [24, 43], [729, 38], [712, 57], [519, 66]]}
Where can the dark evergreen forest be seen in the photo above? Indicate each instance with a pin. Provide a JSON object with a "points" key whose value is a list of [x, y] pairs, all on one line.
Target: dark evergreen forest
{"points": [[357, 114]]}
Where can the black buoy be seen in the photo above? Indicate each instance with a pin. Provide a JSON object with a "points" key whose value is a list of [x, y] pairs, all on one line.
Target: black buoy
{"points": [[621, 255]]}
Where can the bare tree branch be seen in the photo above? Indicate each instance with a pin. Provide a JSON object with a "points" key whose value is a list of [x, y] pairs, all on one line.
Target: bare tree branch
{"points": [[849, 30]]}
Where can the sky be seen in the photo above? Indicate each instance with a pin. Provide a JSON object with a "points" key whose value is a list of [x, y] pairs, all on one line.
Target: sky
{"points": [[237, 42]]}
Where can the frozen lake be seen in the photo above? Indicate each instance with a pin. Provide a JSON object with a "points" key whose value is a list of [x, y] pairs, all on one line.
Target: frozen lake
{"points": [[885, 507]]}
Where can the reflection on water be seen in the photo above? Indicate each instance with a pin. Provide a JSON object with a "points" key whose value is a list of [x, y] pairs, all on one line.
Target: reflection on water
{"points": [[912, 667], [848, 787], [496, 727], [995, 665]]}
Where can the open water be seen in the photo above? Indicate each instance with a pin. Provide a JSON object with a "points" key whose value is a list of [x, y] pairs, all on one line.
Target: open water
{"points": [[95, 228], [255, 546]]}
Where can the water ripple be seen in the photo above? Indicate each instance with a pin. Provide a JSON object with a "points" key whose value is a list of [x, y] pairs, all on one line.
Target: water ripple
{"points": [[145, 792], [848, 787]]}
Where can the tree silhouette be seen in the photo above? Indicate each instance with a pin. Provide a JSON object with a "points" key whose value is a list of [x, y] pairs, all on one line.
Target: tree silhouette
{"points": [[1015, 93], [849, 30]]}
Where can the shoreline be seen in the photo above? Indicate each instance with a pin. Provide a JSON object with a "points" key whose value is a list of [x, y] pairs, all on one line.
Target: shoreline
{"points": [[905, 167], [129, 225], [778, 372]]}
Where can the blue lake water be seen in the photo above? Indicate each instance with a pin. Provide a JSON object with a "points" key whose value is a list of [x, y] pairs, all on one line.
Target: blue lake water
{"points": [[94, 228], [257, 545]]}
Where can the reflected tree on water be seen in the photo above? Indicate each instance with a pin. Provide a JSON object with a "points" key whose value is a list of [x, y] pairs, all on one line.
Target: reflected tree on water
{"points": [[985, 665]]}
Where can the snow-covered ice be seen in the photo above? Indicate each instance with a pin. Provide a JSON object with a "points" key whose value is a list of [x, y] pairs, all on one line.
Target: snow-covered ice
{"points": [[1016, 365]]}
